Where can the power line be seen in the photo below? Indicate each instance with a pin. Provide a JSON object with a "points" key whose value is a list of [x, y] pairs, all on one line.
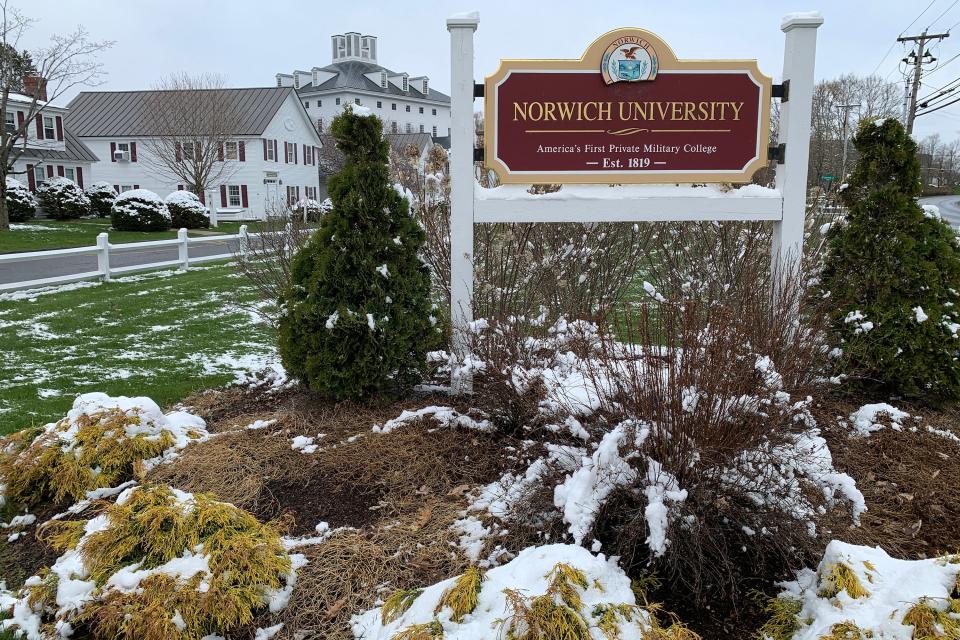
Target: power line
{"points": [[918, 17], [942, 14], [884, 58], [942, 106], [940, 91], [933, 71]]}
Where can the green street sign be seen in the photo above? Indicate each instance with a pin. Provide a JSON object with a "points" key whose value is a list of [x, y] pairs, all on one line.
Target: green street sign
{"points": [[827, 178]]}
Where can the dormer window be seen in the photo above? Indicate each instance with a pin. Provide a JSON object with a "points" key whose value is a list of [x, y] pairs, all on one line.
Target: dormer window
{"points": [[406, 84], [383, 79], [426, 88], [49, 131], [9, 122], [296, 81]]}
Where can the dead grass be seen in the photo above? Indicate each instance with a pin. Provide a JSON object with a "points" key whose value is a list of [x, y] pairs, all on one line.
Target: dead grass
{"points": [[908, 477], [351, 571]]}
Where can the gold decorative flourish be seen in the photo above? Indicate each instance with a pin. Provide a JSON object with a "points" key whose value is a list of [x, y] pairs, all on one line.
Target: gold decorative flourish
{"points": [[626, 132]]}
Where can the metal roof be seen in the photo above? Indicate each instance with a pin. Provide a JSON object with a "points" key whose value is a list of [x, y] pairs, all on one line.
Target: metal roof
{"points": [[75, 151], [350, 75], [99, 114]]}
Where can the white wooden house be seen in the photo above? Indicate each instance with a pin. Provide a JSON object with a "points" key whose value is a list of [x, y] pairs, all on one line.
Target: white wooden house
{"points": [[272, 159], [51, 149]]}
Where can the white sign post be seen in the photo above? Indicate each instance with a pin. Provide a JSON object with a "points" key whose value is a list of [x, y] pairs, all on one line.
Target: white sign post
{"points": [[470, 204]]}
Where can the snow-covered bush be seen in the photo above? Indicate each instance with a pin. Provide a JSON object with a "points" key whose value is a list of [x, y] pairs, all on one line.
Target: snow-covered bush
{"points": [[186, 210], [892, 274], [102, 442], [158, 564], [556, 591], [308, 207], [682, 439], [101, 195], [63, 199], [861, 592], [21, 205], [140, 210]]}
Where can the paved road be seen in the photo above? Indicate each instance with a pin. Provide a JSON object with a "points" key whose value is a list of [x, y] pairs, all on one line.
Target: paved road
{"points": [[949, 208], [67, 265]]}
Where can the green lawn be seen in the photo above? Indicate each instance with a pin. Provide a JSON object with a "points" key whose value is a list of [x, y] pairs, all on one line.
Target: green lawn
{"points": [[39, 235], [162, 334]]}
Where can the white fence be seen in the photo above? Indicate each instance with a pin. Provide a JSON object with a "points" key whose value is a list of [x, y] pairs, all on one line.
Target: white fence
{"points": [[104, 250]]}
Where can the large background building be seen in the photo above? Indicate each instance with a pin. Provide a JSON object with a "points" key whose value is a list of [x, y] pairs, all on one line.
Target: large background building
{"points": [[405, 103]]}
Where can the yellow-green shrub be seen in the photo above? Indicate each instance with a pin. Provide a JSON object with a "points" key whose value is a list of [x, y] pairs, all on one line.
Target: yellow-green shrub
{"points": [[82, 452], [147, 528]]}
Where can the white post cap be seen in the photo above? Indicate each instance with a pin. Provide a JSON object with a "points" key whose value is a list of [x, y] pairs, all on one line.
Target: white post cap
{"points": [[465, 20], [801, 20]]}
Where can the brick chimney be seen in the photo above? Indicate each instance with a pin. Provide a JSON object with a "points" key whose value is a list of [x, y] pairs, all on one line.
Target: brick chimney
{"points": [[35, 86]]}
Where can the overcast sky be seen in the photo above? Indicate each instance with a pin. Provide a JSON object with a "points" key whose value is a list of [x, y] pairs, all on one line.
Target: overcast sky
{"points": [[250, 41]]}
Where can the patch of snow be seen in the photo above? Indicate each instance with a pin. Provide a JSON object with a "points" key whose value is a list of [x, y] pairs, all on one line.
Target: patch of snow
{"points": [[868, 418]]}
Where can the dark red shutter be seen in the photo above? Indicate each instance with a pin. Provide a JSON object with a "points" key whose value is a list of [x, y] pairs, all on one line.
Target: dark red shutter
{"points": [[31, 179], [178, 151], [276, 151], [220, 153], [60, 170], [243, 196], [304, 154], [49, 170], [80, 177], [59, 128], [295, 160], [116, 188], [264, 149], [242, 151], [298, 192], [19, 118], [39, 127], [223, 195], [133, 152], [113, 152], [286, 147]]}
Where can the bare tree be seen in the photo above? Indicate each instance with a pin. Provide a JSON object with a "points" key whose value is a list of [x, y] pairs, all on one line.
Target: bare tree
{"points": [[877, 99], [193, 121], [68, 61]]}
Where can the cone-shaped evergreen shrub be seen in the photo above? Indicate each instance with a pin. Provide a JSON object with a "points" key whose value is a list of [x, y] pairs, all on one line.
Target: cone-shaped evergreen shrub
{"points": [[893, 273], [356, 317]]}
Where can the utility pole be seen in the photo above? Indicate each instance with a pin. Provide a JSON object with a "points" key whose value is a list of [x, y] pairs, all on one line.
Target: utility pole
{"points": [[846, 121], [918, 60]]}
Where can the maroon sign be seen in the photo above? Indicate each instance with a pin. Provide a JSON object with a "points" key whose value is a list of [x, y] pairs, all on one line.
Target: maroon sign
{"points": [[628, 111]]}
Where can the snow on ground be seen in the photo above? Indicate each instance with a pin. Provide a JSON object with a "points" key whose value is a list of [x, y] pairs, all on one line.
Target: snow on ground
{"points": [[527, 574], [892, 588], [874, 417]]}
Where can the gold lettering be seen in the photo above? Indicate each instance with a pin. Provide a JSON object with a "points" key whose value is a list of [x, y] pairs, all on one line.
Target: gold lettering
{"points": [[519, 111], [736, 109]]}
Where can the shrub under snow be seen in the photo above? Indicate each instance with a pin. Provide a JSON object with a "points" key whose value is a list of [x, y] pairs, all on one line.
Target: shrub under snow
{"points": [[861, 592], [21, 204], [555, 591], [309, 207], [102, 442], [158, 564], [63, 199], [140, 210], [101, 195], [689, 447], [186, 210]]}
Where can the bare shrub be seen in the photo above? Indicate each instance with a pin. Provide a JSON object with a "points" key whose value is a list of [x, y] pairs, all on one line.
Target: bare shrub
{"points": [[267, 260], [573, 269], [718, 387]]}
